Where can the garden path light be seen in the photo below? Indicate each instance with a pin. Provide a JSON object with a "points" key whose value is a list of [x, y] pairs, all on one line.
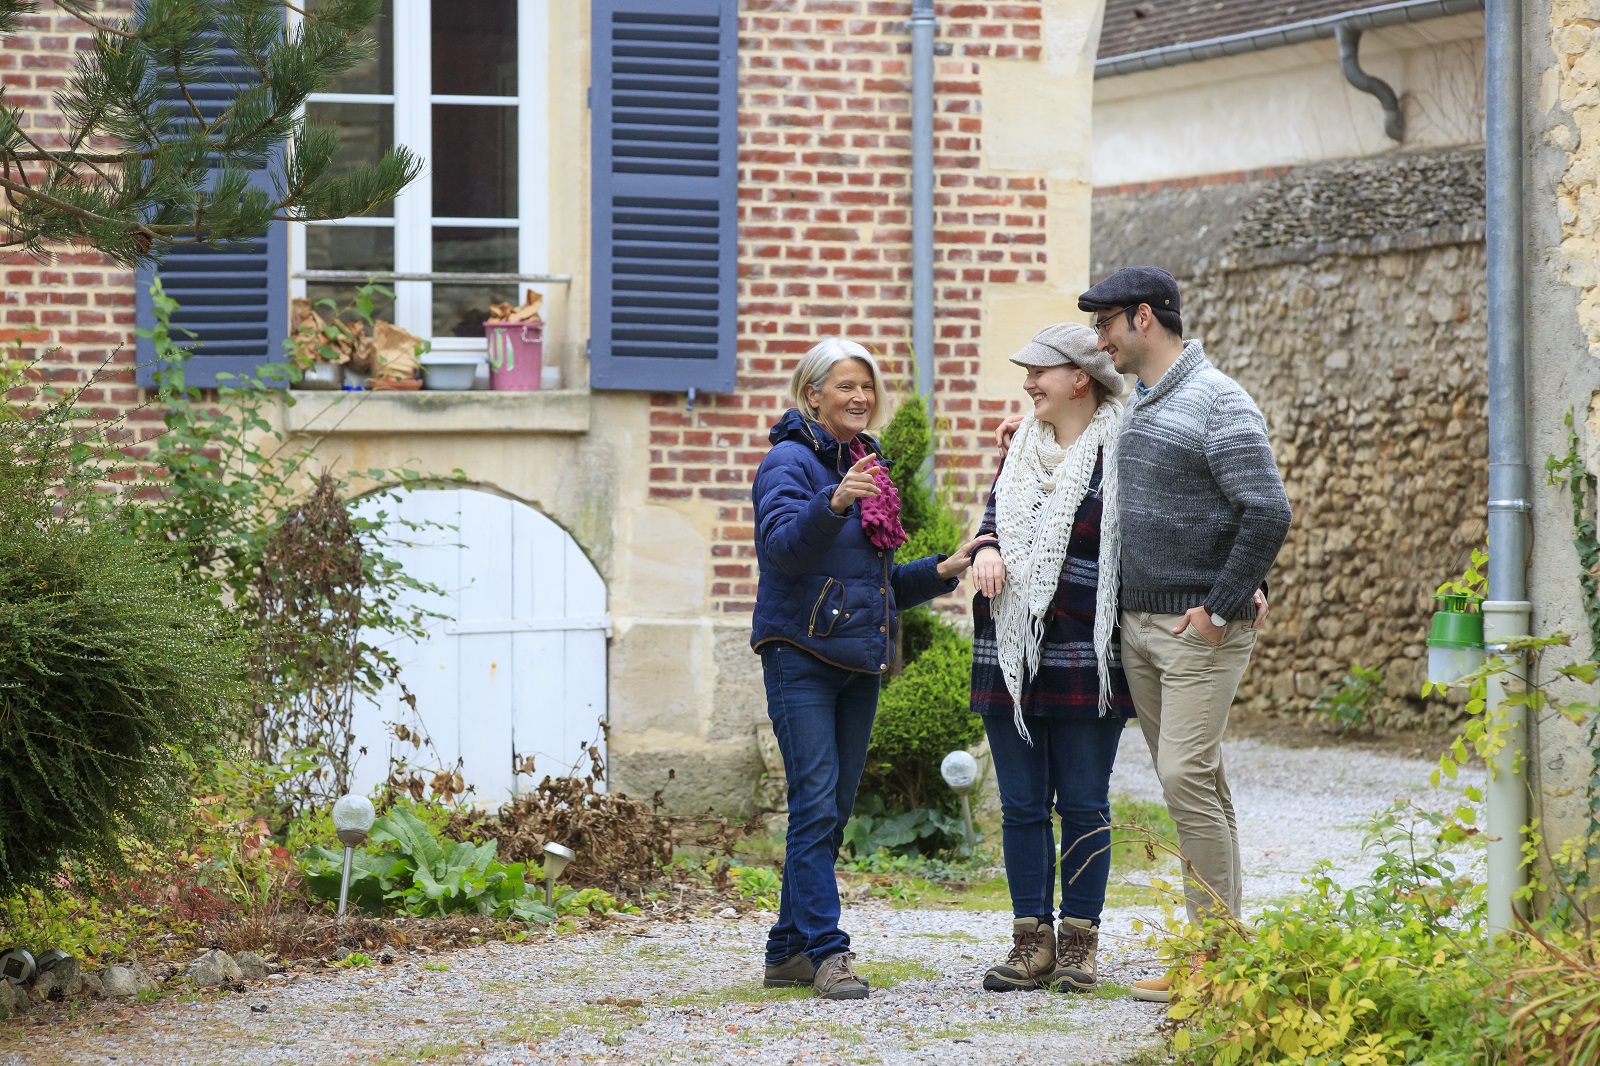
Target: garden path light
{"points": [[17, 966], [960, 772], [556, 857], [352, 817]]}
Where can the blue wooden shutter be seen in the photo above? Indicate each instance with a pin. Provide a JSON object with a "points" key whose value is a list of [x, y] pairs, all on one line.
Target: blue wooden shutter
{"points": [[234, 298], [665, 177]]}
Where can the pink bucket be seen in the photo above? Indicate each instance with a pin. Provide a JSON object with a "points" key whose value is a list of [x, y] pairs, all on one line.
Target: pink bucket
{"points": [[516, 353]]}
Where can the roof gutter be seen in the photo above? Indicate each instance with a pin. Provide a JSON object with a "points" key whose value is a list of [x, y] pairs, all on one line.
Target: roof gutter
{"points": [[1370, 18]]}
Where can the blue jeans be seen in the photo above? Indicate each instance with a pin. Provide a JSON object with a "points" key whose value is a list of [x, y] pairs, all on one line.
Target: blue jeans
{"points": [[1069, 766], [822, 716]]}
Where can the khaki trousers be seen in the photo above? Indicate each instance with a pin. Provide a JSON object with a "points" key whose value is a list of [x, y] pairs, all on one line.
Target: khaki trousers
{"points": [[1182, 687]]}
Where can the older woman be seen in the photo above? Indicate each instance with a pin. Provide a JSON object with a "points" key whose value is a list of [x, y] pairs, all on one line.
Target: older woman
{"points": [[827, 525], [1046, 673]]}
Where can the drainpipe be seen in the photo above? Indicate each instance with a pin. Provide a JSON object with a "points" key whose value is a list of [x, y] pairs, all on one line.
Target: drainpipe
{"points": [[923, 28], [1394, 120], [1506, 614]]}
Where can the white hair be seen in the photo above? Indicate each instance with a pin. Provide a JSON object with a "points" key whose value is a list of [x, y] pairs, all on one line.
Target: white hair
{"points": [[818, 363]]}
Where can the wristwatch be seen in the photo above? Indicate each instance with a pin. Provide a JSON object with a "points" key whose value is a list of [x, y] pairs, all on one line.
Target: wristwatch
{"points": [[1218, 621]]}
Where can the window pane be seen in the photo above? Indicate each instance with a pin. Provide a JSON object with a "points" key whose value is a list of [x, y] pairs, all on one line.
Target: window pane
{"points": [[474, 162], [349, 248], [460, 310], [366, 132], [343, 296], [375, 75], [475, 47]]}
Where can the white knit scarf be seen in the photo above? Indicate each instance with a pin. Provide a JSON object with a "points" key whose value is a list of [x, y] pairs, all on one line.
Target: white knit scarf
{"points": [[1037, 498]]}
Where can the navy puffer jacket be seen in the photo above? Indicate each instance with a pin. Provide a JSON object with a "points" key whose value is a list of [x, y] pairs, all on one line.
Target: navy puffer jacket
{"points": [[824, 586]]}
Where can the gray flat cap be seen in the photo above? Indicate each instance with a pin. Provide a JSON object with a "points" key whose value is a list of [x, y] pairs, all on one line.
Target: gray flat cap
{"points": [[1074, 343]]}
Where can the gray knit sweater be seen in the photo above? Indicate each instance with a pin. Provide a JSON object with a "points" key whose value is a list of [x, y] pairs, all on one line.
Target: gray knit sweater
{"points": [[1203, 510]]}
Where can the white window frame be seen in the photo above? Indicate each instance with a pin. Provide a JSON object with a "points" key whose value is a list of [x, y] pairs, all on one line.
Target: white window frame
{"points": [[413, 219]]}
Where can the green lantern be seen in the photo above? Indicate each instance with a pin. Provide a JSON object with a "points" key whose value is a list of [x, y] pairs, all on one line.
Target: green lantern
{"points": [[1455, 644]]}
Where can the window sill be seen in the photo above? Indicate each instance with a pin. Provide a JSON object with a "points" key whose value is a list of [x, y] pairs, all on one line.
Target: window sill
{"points": [[343, 413]]}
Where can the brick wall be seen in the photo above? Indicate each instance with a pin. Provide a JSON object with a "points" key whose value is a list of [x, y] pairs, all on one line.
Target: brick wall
{"points": [[74, 313], [825, 238]]}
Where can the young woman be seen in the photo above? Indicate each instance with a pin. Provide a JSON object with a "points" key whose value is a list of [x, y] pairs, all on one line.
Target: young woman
{"points": [[1046, 674], [827, 526]]}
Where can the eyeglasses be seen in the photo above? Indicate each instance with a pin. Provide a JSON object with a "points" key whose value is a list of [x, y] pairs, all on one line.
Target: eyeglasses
{"points": [[1102, 325]]}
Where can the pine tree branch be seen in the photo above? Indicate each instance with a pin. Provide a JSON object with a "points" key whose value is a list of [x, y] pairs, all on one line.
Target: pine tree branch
{"points": [[29, 193], [76, 10]]}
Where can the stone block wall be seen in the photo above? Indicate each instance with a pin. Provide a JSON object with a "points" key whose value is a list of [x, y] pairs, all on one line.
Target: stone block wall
{"points": [[825, 239], [1369, 370]]}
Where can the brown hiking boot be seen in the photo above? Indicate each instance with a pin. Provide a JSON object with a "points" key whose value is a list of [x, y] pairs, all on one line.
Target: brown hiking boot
{"points": [[1032, 958], [837, 979], [1077, 944], [793, 972]]}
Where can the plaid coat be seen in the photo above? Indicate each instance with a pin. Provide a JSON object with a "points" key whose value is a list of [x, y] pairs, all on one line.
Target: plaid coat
{"points": [[1067, 684]]}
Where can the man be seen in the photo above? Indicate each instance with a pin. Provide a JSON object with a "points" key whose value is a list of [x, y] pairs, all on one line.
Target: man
{"points": [[1203, 514]]}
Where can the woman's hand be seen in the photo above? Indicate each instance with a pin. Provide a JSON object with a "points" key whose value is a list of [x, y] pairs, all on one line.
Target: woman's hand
{"points": [[1005, 431], [957, 564], [857, 483], [989, 571]]}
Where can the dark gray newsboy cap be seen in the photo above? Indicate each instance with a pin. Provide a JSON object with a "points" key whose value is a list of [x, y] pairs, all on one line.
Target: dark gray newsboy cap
{"points": [[1131, 286]]}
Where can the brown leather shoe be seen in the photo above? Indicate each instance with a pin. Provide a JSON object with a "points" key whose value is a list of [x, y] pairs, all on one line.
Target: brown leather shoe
{"points": [[1032, 958], [1159, 989], [794, 972], [837, 979], [1077, 948]]}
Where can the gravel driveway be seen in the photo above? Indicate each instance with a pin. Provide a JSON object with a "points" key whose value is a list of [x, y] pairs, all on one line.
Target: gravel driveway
{"points": [[640, 992]]}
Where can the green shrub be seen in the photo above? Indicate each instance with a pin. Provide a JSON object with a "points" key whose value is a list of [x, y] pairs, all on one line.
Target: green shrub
{"points": [[1391, 971], [115, 670], [931, 522], [923, 715]]}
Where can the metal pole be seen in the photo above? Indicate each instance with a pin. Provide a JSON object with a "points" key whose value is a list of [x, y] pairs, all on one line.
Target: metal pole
{"points": [[923, 28], [344, 883], [1506, 615]]}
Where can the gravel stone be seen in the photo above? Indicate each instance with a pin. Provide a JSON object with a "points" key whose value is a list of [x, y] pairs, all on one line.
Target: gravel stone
{"points": [[655, 992]]}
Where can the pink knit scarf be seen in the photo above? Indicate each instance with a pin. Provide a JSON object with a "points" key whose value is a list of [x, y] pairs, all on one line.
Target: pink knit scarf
{"points": [[880, 514]]}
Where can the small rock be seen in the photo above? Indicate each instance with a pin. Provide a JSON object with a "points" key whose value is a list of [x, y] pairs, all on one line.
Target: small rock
{"points": [[277, 977], [91, 985], [252, 967], [728, 912], [68, 973], [215, 967], [473, 931], [341, 954], [45, 987], [258, 1008], [13, 1000], [125, 982]]}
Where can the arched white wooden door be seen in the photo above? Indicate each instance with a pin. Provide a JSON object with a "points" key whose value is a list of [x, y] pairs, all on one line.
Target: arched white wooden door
{"points": [[517, 665]]}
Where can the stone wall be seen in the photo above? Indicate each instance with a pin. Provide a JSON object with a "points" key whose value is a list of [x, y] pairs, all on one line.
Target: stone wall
{"points": [[1369, 370], [1348, 299]]}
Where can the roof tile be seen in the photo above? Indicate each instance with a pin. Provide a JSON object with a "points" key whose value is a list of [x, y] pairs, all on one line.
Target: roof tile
{"points": [[1140, 25]]}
